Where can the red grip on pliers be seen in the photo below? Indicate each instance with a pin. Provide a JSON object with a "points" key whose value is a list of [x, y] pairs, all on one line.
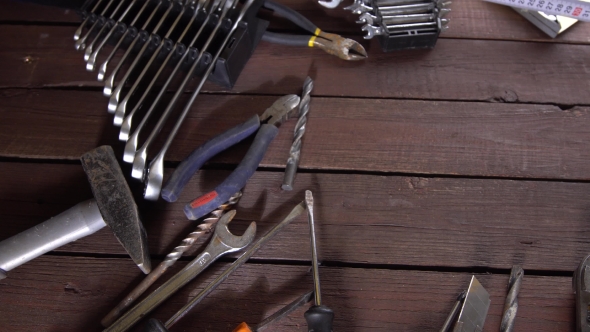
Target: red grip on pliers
{"points": [[204, 199]]}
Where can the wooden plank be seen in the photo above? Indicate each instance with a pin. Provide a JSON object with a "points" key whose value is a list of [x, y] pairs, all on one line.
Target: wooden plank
{"points": [[72, 294], [454, 70], [479, 139], [361, 219], [469, 19]]}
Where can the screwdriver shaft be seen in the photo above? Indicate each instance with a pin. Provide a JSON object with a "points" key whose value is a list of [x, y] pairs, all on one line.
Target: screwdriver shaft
{"points": [[314, 254]]}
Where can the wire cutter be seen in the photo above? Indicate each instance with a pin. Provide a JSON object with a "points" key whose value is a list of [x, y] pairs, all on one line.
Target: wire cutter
{"points": [[344, 48], [266, 125]]}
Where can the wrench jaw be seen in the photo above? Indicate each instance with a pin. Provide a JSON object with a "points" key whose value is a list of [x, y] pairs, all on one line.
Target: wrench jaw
{"points": [[155, 176], [233, 242], [138, 170]]}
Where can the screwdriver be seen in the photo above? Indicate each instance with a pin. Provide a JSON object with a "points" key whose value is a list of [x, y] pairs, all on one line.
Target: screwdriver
{"points": [[319, 317]]}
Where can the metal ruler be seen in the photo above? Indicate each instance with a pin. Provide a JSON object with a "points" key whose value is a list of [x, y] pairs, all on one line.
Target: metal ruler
{"points": [[579, 10]]}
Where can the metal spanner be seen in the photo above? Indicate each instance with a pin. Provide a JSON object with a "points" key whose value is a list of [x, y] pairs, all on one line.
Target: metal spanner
{"points": [[330, 4], [79, 30], [80, 43], [222, 242], [107, 24]]}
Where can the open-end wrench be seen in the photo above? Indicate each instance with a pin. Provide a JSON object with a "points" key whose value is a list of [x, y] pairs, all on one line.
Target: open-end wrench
{"points": [[372, 31], [222, 242], [330, 4], [359, 7], [116, 93], [91, 58], [126, 122], [103, 68], [110, 82], [78, 32], [155, 173], [81, 43], [121, 107], [107, 24], [131, 153]]}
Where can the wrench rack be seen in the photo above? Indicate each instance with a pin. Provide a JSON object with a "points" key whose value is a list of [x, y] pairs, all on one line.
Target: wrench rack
{"points": [[163, 40], [402, 24]]}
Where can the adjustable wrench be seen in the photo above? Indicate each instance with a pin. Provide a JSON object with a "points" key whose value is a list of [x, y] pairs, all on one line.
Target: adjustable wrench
{"points": [[80, 43], [79, 30], [121, 107], [222, 242], [110, 82], [88, 50], [130, 31], [116, 93], [90, 56], [119, 113]]}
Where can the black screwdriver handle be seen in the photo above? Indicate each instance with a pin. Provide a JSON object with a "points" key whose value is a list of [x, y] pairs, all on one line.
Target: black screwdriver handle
{"points": [[319, 319]]}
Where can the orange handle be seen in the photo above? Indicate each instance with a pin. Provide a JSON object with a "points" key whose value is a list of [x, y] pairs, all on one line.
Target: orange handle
{"points": [[243, 327]]}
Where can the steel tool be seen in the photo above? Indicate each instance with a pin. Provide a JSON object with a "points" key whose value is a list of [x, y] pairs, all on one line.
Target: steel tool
{"points": [[140, 36], [222, 242], [89, 55], [112, 205], [236, 264], [344, 48], [511, 304], [107, 24], [359, 7], [203, 228], [153, 37], [125, 123], [281, 110], [330, 3], [80, 43], [120, 107], [78, 32], [319, 317], [132, 141], [581, 285], [131, 32], [295, 152], [155, 171], [474, 309]]}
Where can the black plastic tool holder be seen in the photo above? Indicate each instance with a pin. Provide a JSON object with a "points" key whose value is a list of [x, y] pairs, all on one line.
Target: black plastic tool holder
{"points": [[233, 58], [410, 39]]}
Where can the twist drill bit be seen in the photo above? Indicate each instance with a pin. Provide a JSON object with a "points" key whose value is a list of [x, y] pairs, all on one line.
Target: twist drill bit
{"points": [[295, 152], [203, 228], [511, 304]]}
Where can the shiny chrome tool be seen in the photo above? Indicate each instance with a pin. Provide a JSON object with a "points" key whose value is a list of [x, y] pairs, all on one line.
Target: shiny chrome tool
{"points": [[89, 55], [203, 228], [473, 311], [110, 82], [330, 3], [92, 11], [511, 304], [222, 242], [80, 43], [581, 284], [130, 31], [300, 126], [153, 37], [107, 24]]}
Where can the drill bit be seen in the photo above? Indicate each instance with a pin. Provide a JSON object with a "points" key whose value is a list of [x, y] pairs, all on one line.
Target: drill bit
{"points": [[294, 154], [511, 304], [203, 228]]}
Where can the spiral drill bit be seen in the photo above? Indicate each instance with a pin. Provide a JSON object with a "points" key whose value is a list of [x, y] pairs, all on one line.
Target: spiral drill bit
{"points": [[511, 304], [203, 228], [295, 152]]}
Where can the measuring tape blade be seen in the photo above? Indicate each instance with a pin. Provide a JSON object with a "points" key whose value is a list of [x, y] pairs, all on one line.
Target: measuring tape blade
{"points": [[579, 10]]}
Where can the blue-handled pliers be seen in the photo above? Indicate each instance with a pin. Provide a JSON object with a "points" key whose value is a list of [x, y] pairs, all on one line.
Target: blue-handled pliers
{"points": [[266, 125]]}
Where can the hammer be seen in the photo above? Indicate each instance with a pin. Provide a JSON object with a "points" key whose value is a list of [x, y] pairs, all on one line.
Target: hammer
{"points": [[112, 205]]}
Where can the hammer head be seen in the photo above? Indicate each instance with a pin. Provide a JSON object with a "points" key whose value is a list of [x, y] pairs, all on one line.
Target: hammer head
{"points": [[116, 204]]}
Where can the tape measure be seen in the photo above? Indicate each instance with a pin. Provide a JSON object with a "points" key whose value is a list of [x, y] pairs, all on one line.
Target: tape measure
{"points": [[579, 10]]}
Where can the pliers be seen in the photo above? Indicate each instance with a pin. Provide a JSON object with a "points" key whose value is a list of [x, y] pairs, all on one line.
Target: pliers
{"points": [[266, 125], [344, 48]]}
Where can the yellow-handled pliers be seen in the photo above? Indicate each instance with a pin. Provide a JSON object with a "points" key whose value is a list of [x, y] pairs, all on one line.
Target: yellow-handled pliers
{"points": [[334, 44]]}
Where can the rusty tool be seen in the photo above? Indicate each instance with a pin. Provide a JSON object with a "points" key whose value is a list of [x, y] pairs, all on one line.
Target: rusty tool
{"points": [[511, 304], [113, 205], [222, 242], [203, 228], [300, 126]]}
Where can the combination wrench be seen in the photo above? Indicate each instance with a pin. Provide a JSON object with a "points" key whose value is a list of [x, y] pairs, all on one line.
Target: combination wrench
{"points": [[80, 43], [221, 243], [78, 32], [119, 113], [152, 38], [110, 82], [107, 24], [121, 107], [89, 55], [130, 31]]}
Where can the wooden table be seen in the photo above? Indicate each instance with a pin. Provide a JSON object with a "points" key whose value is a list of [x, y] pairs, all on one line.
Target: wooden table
{"points": [[427, 167]]}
